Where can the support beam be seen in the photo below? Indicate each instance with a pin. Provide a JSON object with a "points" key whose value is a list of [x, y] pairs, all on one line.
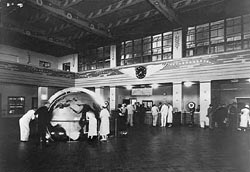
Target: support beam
{"points": [[113, 8], [187, 3], [165, 10], [132, 19], [58, 29], [69, 17], [37, 36], [37, 17], [70, 3], [24, 26]]}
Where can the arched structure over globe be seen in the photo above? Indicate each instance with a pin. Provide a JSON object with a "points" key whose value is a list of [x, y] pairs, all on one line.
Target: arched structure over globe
{"points": [[66, 106]]}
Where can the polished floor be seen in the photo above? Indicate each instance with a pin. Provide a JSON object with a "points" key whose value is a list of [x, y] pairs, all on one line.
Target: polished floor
{"points": [[145, 149]]}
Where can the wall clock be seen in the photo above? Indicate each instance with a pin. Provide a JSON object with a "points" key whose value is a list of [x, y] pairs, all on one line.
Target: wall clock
{"points": [[141, 72]]}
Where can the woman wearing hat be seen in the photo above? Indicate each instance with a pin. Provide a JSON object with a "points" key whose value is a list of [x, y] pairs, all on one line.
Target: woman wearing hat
{"points": [[104, 126]]}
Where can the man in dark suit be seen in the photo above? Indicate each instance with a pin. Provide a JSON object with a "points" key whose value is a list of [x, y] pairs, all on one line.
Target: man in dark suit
{"points": [[43, 120]]}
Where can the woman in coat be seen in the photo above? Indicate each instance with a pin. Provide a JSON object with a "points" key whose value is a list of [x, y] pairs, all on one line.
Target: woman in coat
{"points": [[170, 115], [104, 126], [92, 130]]}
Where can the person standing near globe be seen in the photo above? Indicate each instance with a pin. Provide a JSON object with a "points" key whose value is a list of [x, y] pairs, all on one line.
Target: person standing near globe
{"points": [[104, 126], [43, 120]]}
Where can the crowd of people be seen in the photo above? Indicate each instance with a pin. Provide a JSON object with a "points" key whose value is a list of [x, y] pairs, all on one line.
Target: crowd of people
{"points": [[92, 123], [97, 123], [165, 111], [129, 115], [229, 116]]}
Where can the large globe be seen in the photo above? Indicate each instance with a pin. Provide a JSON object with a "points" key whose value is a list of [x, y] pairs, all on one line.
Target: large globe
{"points": [[66, 109]]}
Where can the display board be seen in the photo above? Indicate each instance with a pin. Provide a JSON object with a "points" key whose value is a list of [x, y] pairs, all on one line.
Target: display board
{"points": [[142, 91], [16, 105]]}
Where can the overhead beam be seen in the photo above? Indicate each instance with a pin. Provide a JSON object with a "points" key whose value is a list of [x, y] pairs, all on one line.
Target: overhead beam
{"points": [[72, 18], [64, 3], [132, 19], [113, 8], [165, 9], [37, 17], [70, 3], [25, 26], [36, 35], [186, 3], [58, 29], [197, 4]]}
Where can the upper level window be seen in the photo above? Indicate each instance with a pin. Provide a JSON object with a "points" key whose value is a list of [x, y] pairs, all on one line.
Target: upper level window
{"points": [[167, 45], [94, 59], [100, 53], [246, 31], [137, 50], [190, 41], [66, 66], [202, 39], [82, 66], [146, 50], [106, 56], [122, 57], [233, 33], [91, 58], [44, 64], [217, 36], [157, 47], [128, 52]]}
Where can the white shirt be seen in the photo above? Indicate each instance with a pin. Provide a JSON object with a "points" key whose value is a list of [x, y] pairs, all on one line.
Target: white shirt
{"points": [[164, 109], [155, 110]]}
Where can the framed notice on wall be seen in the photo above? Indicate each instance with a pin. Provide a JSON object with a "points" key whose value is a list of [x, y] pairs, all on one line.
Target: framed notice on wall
{"points": [[16, 105], [142, 91]]}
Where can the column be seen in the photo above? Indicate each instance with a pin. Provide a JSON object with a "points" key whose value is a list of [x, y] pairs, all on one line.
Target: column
{"points": [[100, 91], [177, 96], [177, 44], [205, 100], [113, 98], [112, 56], [42, 95]]}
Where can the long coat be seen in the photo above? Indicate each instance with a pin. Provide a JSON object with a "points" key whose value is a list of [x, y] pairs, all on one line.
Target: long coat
{"points": [[170, 114], [244, 117], [104, 126], [24, 122], [92, 124]]}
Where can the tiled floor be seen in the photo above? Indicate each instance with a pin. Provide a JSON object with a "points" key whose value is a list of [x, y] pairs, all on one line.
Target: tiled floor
{"points": [[145, 149]]}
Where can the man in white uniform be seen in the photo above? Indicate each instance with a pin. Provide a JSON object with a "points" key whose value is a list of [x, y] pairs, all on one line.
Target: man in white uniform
{"points": [[164, 113], [244, 118], [130, 111], [155, 112], [24, 122]]}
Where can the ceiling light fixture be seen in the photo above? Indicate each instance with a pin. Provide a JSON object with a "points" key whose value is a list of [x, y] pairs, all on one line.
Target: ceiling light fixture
{"points": [[20, 5], [188, 84], [154, 86], [128, 87], [156, 3]]}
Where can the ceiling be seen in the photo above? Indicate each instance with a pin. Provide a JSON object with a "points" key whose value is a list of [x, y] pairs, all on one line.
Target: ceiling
{"points": [[61, 27]]}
